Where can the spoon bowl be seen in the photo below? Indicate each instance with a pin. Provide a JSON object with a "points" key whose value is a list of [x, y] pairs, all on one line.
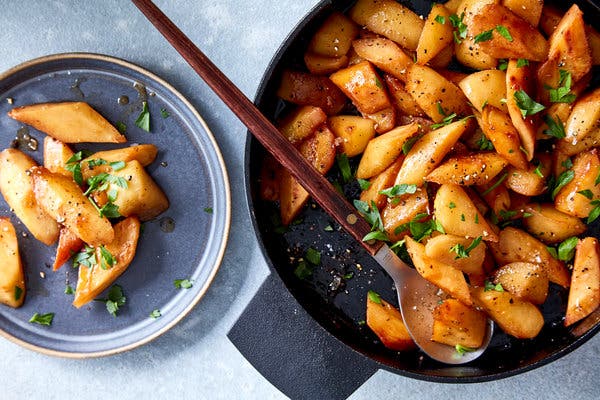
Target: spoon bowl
{"points": [[417, 299]]}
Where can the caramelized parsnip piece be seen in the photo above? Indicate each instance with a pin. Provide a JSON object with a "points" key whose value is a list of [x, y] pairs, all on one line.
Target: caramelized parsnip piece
{"points": [[584, 295], [12, 276], [95, 279]]}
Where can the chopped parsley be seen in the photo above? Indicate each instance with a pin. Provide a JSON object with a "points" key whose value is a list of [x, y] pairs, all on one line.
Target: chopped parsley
{"points": [[566, 250], [484, 143], [303, 270], [586, 193], [538, 170], [490, 286], [484, 36], [502, 64], [143, 120], [399, 190], [86, 257], [121, 127], [115, 300], [107, 260], [364, 184], [69, 290], [344, 166], [522, 62], [440, 19], [18, 292], [374, 297], [526, 104], [460, 28], [446, 121], [117, 165], [370, 213], [562, 181], [420, 230], [496, 184], [595, 213], [208, 210], [410, 143], [313, 256], [461, 350], [183, 283], [42, 319], [562, 94], [461, 252], [73, 165], [164, 113], [555, 127], [451, 205], [155, 314], [503, 31], [328, 228]]}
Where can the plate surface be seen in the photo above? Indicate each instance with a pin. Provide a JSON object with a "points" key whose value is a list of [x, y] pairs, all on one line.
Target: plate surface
{"points": [[190, 170]]}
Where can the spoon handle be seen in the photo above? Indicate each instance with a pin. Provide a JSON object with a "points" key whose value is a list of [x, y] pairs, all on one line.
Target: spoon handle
{"points": [[267, 134]]}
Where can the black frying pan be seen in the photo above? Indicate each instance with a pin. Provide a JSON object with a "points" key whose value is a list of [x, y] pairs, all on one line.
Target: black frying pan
{"points": [[307, 336]]}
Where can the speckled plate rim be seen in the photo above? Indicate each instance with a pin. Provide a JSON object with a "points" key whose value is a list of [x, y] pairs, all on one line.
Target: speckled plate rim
{"points": [[225, 186]]}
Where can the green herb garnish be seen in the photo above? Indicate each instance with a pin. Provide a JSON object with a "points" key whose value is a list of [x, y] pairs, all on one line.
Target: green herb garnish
{"points": [[503, 31], [344, 166], [42, 319], [364, 184], [69, 290], [440, 19], [399, 190], [595, 213], [586, 193], [461, 252], [115, 299], [107, 260], [121, 127], [312, 256], [460, 31], [496, 184], [555, 127], [143, 120], [18, 293], [562, 94], [155, 314], [526, 104], [490, 286], [303, 270], [562, 181], [484, 36], [164, 113], [86, 257], [374, 297], [183, 283], [484, 143], [461, 350], [566, 250]]}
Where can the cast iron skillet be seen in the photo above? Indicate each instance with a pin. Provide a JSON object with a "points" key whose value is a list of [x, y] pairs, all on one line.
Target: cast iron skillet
{"points": [[313, 343]]}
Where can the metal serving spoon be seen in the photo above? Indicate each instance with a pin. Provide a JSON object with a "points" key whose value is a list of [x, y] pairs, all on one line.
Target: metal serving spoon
{"points": [[417, 297]]}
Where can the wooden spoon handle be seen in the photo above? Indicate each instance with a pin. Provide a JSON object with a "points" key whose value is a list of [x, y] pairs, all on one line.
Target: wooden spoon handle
{"points": [[274, 142]]}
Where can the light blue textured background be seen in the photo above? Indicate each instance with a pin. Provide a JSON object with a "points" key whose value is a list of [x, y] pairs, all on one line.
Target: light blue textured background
{"points": [[195, 359]]}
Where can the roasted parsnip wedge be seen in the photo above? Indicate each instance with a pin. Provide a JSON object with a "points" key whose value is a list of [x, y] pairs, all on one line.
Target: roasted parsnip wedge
{"points": [[111, 260], [64, 201], [17, 188], [69, 122], [12, 277]]}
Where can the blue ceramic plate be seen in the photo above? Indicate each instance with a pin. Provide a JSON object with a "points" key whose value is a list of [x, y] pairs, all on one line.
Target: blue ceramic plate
{"points": [[190, 170]]}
